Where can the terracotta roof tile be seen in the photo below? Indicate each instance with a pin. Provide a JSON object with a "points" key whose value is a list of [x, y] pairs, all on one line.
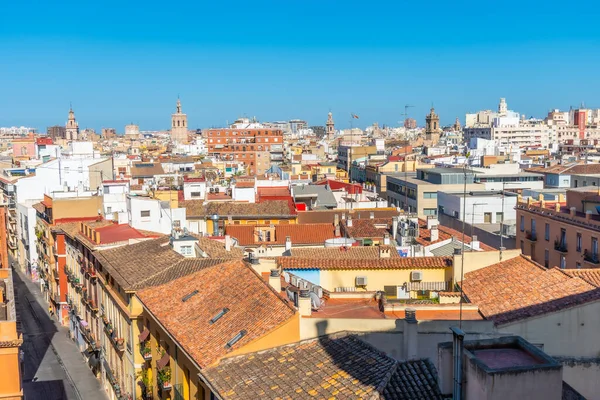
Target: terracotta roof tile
{"points": [[444, 233], [367, 227], [592, 276], [519, 288], [328, 367], [354, 252], [146, 170], [328, 216], [253, 305], [300, 234], [351, 264], [197, 208]]}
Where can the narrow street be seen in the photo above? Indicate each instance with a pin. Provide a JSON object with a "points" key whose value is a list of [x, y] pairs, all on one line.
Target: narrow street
{"points": [[53, 367]]}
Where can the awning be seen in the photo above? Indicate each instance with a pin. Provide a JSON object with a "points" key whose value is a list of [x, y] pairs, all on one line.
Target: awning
{"points": [[144, 335], [164, 360], [434, 286]]}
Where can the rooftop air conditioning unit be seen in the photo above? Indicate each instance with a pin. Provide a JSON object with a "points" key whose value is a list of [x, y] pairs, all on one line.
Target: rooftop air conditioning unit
{"points": [[416, 276], [361, 281], [212, 190]]}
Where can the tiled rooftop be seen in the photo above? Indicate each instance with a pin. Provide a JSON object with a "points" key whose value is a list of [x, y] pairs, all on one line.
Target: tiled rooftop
{"points": [[351, 264], [197, 208], [328, 216], [592, 276], [334, 367], [353, 252], [444, 233], [300, 234], [253, 306], [367, 228], [519, 288]]}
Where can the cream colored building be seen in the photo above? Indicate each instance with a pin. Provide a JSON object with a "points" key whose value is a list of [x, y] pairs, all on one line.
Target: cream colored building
{"points": [[179, 125]]}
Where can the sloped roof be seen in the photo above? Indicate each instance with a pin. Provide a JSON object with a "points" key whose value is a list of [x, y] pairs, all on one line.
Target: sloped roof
{"points": [[358, 264], [519, 288], [367, 228], [253, 306], [197, 208], [333, 367], [300, 234], [146, 170], [353, 252], [592, 276]]}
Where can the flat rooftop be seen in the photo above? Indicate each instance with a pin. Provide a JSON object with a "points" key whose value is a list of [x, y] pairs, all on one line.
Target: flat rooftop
{"points": [[506, 358]]}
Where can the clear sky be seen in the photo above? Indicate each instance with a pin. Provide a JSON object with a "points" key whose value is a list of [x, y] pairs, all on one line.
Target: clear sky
{"points": [[127, 61]]}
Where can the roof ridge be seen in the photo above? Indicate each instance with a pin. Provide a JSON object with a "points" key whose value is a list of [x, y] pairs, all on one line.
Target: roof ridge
{"points": [[271, 288], [171, 266]]}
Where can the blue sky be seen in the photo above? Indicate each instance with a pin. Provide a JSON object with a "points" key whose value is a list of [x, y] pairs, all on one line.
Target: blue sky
{"points": [[128, 61]]}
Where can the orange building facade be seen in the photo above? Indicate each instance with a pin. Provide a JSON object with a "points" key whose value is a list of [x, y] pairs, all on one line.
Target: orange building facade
{"points": [[258, 148]]}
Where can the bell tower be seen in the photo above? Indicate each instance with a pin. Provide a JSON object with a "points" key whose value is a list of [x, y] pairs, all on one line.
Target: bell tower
{"points": [[432, 126], [330, 126], [72, 128], [179, 126]]}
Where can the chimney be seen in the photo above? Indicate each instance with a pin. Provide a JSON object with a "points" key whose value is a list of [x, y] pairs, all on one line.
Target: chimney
{"points": [[435, 234], [275, 280], [431, 221], [336, 219], [474, 243], [394, 226], [386, 239], [557, 207], [227, 243], [410, 334], [572, 211], [372, 215], [349, 222], [288, 243], [384, 252], [304, 304], [588, 215]]}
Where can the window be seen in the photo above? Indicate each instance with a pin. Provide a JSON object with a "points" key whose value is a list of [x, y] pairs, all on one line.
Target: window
{"points": [[578, 265], [522, 225], [595, 247], [499, 217], [108, 210], [430, 195], [533, 226], [546, 258], [145, 213], [430, 211], [563, 262], [186, 250], [547, 232], [578, 247], [195, 194]]}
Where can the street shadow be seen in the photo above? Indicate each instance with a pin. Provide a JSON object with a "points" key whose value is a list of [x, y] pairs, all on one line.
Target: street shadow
{"points": [[37, 330]]}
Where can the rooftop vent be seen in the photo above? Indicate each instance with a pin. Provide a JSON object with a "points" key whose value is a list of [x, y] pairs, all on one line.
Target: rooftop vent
{"points": [[236, 339], [189, 296], [218, 316]]}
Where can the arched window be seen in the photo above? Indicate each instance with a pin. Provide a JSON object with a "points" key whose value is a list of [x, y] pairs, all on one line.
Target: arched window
{"points": [[178, 123]]}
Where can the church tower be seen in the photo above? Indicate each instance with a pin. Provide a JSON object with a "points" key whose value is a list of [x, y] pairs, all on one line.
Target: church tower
{"points": [[457, 127], [502, 107], [432, 126], [330, 126], [72, 131], [179, 126]]}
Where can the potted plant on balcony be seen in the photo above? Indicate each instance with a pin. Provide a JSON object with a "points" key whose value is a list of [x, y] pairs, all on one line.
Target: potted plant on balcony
{"points": [[120, 342], [145, 350], [164, 378]]}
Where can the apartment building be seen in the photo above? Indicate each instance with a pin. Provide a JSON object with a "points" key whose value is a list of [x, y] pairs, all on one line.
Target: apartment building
{"points": [[417, 193], [55, 209], [257, 147], [560, 233], [10, 340]]}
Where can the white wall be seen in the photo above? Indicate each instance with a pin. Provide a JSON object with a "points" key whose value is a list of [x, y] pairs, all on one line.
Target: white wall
{"points": [[244, 194], [190, 187], [454, 202], [26, 221], [115, 199], [160, 219]]}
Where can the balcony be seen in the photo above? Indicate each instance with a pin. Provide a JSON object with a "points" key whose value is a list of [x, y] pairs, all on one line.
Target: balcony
{"points": [[531, 236], [117, 342], [560, 245], [591, 257], [145, 351], [112, 379], [56, 298]]}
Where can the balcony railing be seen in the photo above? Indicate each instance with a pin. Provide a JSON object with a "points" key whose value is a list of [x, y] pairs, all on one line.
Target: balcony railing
{"points": [[531, 235], [591, 257], [560, 245], [117, 342]]}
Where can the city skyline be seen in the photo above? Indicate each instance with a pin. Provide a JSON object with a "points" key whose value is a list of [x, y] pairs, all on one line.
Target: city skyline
{"points": [[366, 61]]}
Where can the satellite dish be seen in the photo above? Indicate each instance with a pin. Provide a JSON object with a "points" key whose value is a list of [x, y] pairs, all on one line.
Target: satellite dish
{"points": [[286, 277], [318, 290], [315, 301]]}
